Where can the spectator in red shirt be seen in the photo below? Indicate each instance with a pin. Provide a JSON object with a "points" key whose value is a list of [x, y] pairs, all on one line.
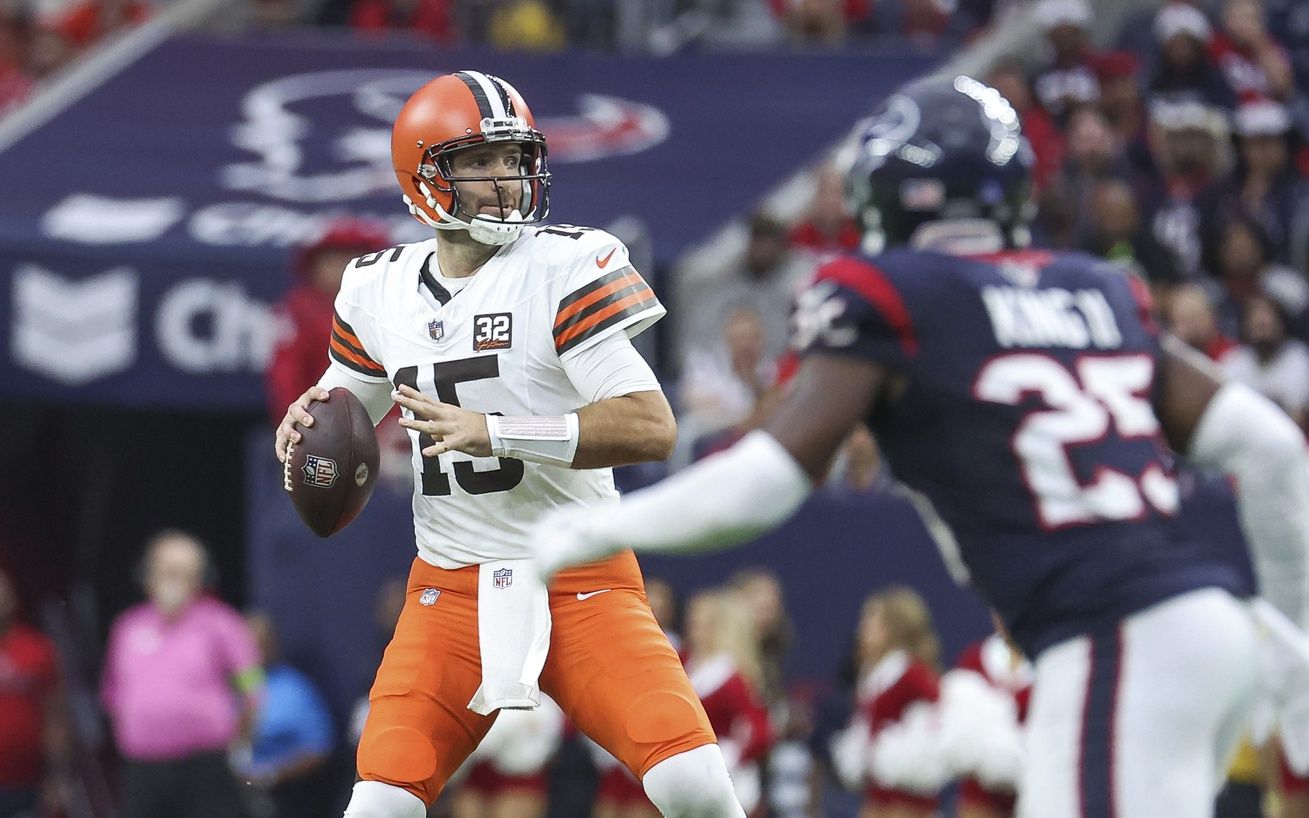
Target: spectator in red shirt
{"points": [[1255, 65], [300, 356], [32, 734], [430, 18], [828, 227]]}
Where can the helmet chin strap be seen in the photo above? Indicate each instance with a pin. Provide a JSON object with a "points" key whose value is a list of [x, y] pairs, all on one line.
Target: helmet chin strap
{"points": [[484, 229], [496, 231]]}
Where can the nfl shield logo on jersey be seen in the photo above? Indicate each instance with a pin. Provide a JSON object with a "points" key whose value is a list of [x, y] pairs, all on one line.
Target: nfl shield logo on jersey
{"points": [[502, 577], [436, 329], [320, 472], [429, 597]]}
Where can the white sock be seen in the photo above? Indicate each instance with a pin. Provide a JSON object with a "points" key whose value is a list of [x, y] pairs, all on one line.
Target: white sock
{"points": [[693, 784], [373, 799]]}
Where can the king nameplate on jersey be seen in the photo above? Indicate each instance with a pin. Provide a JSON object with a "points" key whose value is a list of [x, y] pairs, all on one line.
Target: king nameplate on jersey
{"points": [[1052, 317]]}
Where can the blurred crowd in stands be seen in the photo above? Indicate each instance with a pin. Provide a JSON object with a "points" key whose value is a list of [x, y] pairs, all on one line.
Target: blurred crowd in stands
{"points": [[39, 37]]}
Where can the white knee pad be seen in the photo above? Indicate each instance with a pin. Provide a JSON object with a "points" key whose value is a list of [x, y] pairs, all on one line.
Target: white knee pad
{"points": [[373, 799], [693, 784]]}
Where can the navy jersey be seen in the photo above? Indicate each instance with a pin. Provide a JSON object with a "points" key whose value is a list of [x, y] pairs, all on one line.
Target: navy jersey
{"points": [[1021, 410]]}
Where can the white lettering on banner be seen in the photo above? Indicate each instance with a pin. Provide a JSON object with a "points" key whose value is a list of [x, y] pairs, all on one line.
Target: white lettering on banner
{"points": [[89, 219], [210, 326], [243, 224], [74, 332]]}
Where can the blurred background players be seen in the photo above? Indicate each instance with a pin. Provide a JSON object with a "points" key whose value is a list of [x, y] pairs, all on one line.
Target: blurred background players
{"points": [[182, 684]]}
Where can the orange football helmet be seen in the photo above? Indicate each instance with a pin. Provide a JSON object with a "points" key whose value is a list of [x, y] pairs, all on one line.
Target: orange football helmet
{"points": [[458, 111]]}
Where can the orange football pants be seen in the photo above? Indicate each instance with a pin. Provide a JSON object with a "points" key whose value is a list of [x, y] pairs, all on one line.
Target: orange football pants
{"points": [[610, 668]]}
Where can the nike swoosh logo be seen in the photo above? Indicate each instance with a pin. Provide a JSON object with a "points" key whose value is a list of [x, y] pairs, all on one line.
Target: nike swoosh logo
{"points": [[583, 597], [604, 262]]}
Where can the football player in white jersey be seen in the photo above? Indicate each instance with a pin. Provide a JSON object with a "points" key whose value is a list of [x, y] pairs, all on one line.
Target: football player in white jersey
{"points": [[507, 343]]}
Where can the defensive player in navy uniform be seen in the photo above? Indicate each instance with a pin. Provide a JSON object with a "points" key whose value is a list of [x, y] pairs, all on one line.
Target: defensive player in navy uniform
{"points": [[1025, 400]]}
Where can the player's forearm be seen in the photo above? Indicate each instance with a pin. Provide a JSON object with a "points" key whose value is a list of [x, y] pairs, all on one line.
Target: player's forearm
{"points": [[635, 428], [722, 501], [1247, 436]]}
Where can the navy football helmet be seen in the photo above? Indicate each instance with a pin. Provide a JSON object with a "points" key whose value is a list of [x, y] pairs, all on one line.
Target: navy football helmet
{"points": [[941, 151]]}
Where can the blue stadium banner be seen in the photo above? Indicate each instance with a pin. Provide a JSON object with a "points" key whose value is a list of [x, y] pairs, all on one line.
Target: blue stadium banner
{"points": [[147, 228]]}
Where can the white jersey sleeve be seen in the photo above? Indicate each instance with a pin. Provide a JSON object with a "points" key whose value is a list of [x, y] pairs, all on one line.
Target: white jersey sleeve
{"points": [[348, 346], [601, 294], [610, 368]]}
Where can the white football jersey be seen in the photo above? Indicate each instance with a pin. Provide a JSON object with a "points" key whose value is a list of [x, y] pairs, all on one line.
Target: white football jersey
{"points": [[497, 345]]}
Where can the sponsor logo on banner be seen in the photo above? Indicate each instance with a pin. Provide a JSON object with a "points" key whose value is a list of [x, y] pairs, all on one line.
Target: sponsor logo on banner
{"points": [[74, 331], [344, 152]]}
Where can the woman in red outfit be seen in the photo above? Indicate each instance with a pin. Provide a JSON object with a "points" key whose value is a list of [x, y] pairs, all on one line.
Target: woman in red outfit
{"points": [[999, 662], [890, 748], [726, 670], [506, 775]]}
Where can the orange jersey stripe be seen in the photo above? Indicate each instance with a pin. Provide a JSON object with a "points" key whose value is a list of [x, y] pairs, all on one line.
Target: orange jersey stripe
{"points": [[340, 329], [591, 321], [350, 355], [582, 303]]}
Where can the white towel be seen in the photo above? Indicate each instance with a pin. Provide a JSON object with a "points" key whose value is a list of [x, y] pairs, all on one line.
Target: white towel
{"points": [[513, 633]]}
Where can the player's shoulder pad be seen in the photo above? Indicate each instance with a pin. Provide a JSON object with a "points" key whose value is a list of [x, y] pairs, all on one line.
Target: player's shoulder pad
{"points": [[368, 270], [579, 253]]}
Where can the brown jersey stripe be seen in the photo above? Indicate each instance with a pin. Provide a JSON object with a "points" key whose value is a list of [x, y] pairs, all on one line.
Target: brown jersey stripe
{"points": [[344, 329], [562, 327], [592, 286], [354, 347], [613, 314], [343, 354]]}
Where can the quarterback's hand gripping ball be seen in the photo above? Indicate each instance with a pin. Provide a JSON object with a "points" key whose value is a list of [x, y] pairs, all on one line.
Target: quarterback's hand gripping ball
{"points": [[330, 472]]}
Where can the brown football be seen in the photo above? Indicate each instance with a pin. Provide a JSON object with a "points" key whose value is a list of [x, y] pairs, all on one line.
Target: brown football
{"points": [[331, 472]]}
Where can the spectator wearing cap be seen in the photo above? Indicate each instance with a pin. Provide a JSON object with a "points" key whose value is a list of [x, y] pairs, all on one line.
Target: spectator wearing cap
{"points": [[1069, 80], [1123, 106], [305, 312], [1255, 65], [1188, 141], [1185, 72], [1263, 185]]}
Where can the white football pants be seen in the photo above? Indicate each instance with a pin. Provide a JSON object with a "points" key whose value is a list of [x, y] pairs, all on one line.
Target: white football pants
{"points": [[1141, 722]]}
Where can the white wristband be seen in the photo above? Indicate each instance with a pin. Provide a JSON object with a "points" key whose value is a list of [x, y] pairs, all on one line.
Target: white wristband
{"points": [[540, 439]]}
